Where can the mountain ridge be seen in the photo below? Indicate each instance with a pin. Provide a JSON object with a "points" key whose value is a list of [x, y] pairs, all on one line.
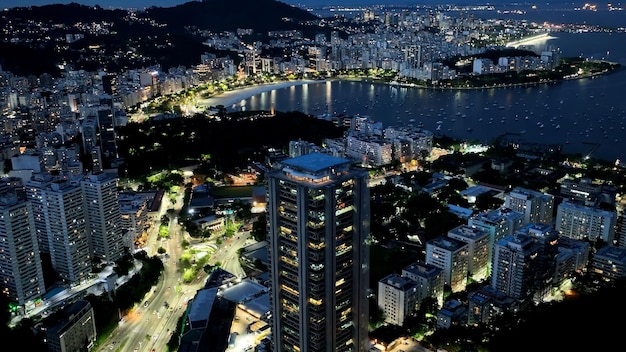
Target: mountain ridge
{"points": [[168, 36], [190, 12]]}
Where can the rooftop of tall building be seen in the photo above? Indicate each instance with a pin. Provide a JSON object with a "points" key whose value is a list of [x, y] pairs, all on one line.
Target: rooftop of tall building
{"points": [[315, 162]]}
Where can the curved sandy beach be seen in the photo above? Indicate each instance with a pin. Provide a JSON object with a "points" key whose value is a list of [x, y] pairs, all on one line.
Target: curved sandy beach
{"points": [[541, 39], [235, 96]]}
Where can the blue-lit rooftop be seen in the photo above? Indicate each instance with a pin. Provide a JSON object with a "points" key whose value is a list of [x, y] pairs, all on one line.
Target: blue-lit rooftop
{"points": [[315, 162]]}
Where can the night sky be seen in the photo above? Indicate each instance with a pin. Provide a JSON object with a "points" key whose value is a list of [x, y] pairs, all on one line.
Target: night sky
{"points": [[169, 3]]}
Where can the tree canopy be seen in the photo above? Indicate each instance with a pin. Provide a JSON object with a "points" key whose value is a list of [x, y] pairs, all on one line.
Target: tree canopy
{"points": [[171, 143]]}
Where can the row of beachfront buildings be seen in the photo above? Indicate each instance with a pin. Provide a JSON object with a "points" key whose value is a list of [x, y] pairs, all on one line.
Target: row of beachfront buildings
{"points": [[368, 143]]}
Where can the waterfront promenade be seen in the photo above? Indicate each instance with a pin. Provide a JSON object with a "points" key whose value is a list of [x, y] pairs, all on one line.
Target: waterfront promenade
{"points": [[533, 40], [235, 96]]}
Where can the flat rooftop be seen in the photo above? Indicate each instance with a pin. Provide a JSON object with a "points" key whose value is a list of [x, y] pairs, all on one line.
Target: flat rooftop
{"points": [[243, 291], [201, 305], [315, 162]]}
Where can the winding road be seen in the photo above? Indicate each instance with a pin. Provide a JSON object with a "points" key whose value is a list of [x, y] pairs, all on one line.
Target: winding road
{"points": [[148, 327]]}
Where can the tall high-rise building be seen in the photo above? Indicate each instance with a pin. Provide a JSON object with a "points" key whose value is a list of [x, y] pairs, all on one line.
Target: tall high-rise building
{"points": [[109, 83], [34, 189], [90, 133], [499, 223], [106, 126], [106, 235], [516, 260], [66, 227], [72, 329], [397, 297], [609, 263], [21, 274], [547, 238], [13, 184], [429, 278], [96, 160], [318, 219]]}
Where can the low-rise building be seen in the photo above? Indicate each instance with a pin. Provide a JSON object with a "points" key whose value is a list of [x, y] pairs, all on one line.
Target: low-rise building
{"points": [[71, 329], [397, 297], [609, 263], [452, 313]]}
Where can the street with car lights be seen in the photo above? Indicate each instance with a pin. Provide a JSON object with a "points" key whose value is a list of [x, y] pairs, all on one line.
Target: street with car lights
{"points": [[150, 324], [228, 254]]}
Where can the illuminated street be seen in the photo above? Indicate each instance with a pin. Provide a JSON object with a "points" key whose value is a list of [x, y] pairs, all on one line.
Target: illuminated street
{"points": [[150, 324]]}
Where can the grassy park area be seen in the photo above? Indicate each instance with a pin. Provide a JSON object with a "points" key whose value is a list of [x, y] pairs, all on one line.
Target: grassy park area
{"points": [[233, 191]]}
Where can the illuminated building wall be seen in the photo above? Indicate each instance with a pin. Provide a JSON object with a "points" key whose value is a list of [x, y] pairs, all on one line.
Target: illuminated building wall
{"points": [[537, 207], [318, 221], [452, 256], [21, 277], [106, 234], [66, 228]]}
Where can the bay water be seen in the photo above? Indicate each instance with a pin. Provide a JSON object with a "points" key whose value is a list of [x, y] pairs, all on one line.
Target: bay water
{"points": [[585, 116]]}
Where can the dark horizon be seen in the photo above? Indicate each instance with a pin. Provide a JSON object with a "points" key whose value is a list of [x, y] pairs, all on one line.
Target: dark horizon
{"points": [[171, 3]]}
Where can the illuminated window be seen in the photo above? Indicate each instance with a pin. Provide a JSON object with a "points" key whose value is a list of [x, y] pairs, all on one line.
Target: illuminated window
{"points": [[316, 302]]}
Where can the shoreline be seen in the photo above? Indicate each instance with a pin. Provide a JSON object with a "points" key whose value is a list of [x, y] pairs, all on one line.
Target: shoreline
{"points": [[532, 40], [232, 97]]}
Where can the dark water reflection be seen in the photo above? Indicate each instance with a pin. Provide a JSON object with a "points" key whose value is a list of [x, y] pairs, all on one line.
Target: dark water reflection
{"points": [[586, 115]]}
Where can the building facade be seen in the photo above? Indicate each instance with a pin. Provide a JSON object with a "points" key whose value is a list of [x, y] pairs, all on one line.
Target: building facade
{"points": [[582, 222], [584, 191], [578, 249], [514, 261], [107, 240], [134, 214], [609, 263], [487, 303], [74, 330], [537, 207], [34, 191], [318, 221], [547, 239], [397, 297], [21, 277], [429, 280], [453, 312], [66, 228], [499, 223], [478, 241], [452, 256]]}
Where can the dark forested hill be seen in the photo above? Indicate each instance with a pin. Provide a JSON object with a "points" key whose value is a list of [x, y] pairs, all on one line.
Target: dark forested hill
{"points": [[171, 143], [213, 15], [167, 36], [221, 15], [67, 14]]}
